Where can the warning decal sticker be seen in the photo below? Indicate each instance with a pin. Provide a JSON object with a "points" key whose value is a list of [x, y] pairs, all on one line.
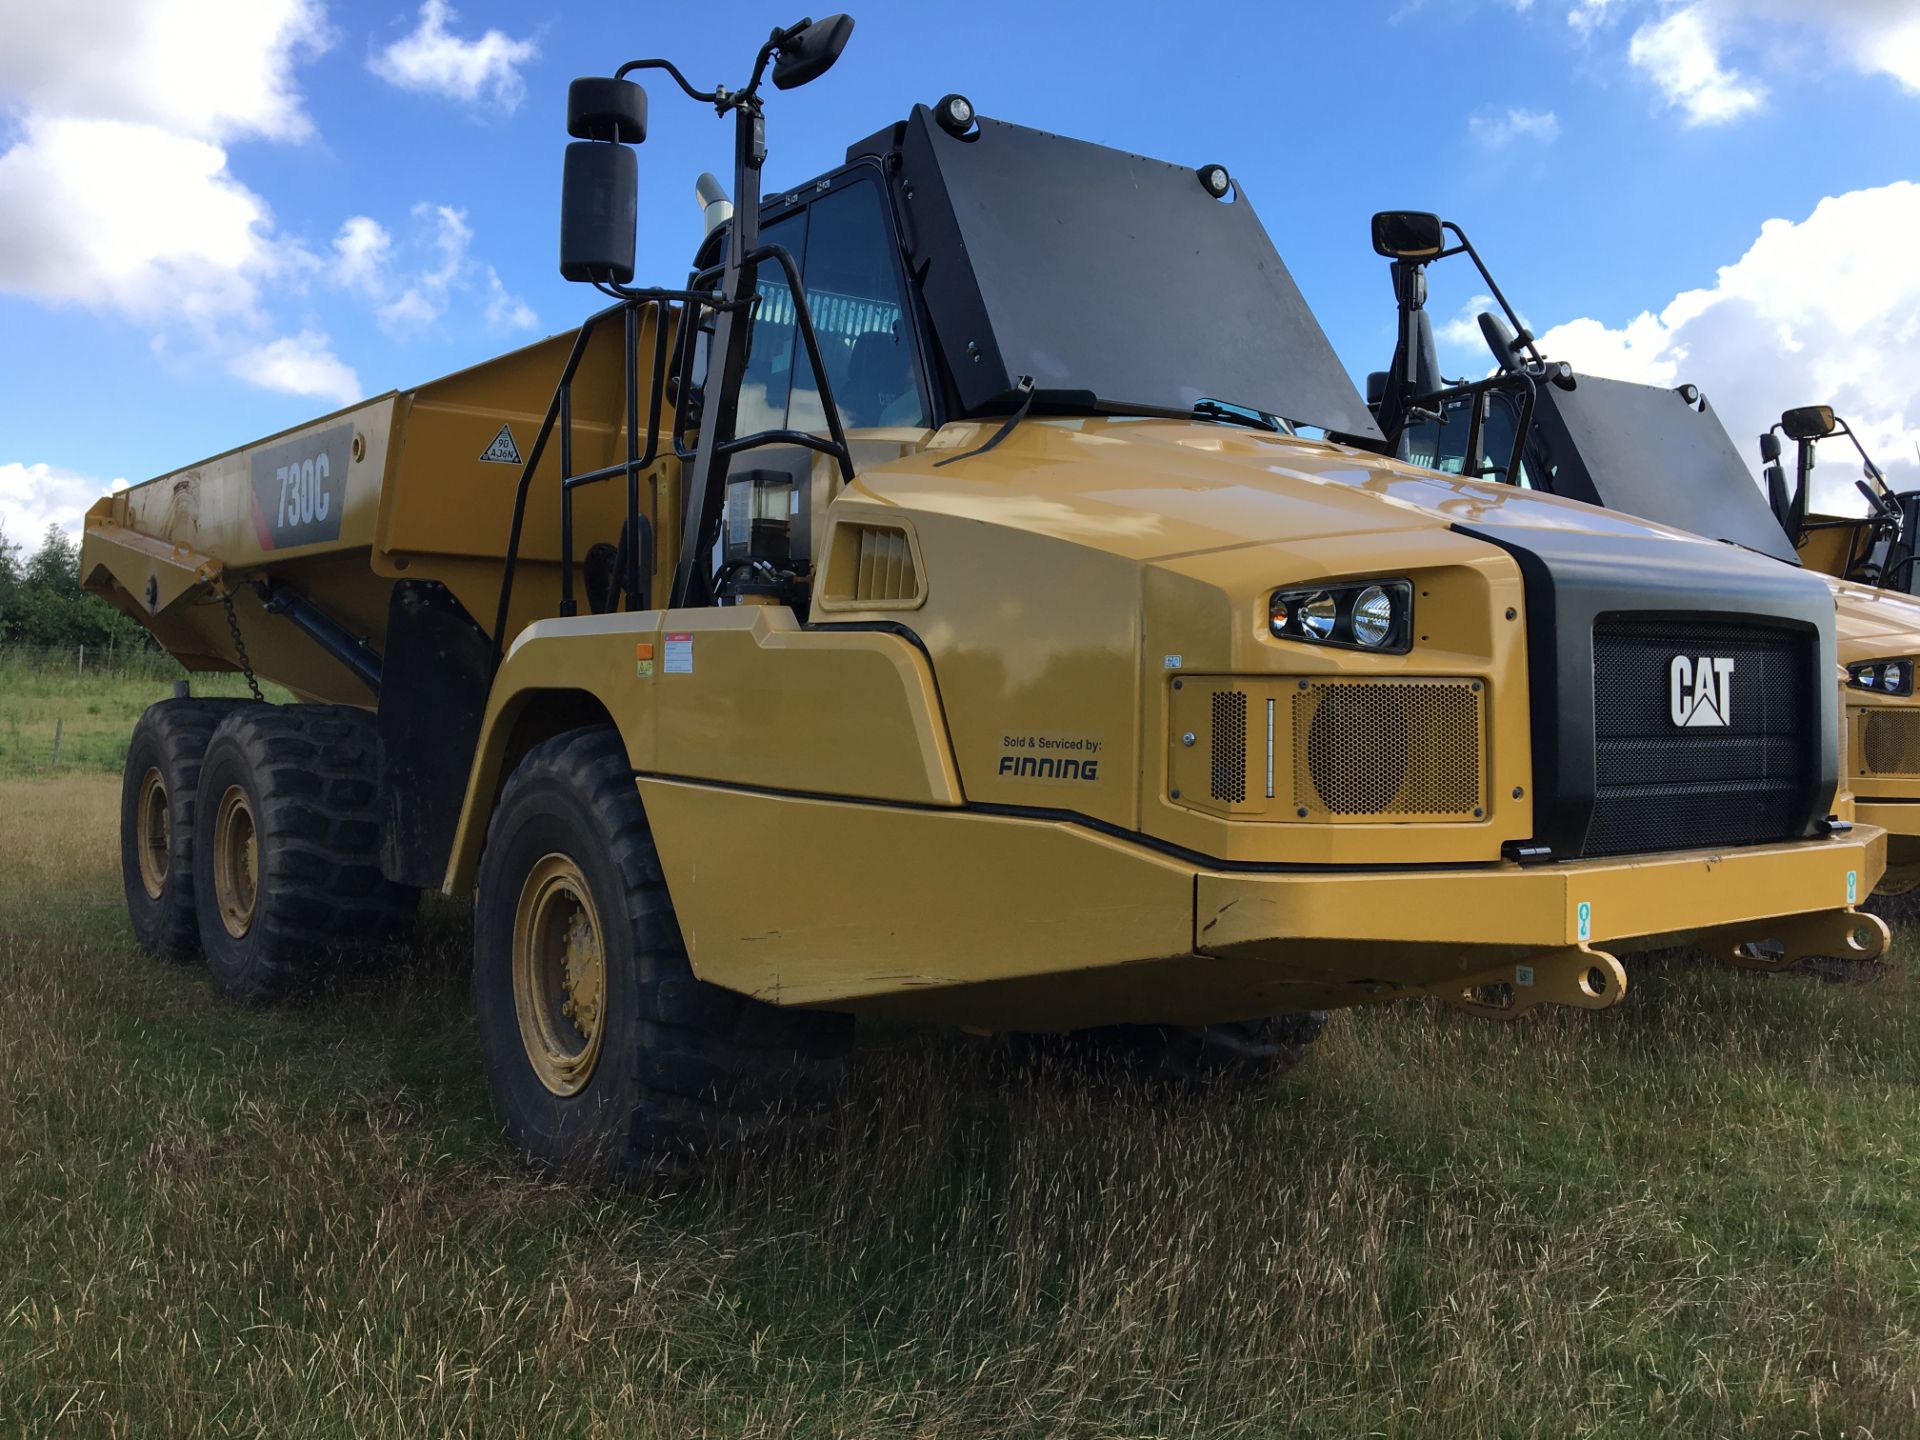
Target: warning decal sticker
{"points": [[679, 657], [502, 451]]}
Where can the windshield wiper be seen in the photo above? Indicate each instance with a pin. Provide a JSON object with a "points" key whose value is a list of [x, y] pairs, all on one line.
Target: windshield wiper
{"points": [[1207, 408]]}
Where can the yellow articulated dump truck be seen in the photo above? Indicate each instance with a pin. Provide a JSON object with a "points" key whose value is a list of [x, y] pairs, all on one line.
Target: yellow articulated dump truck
{"points": [[933, 608], [1870, 559], [1661, 453]]}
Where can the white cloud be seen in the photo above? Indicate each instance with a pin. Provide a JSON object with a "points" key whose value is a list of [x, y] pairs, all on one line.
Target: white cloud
{"points": [[115, 192], [408, 301], [32, 497], [432, 60], [1499, 129], [361, 252], [1586, 16], [1685, 46], [1825, 310], [215, 69], [129, 216], [1462, 332], [506, 311], [302, 364], [424, 300], [1876, 37], [1679, 54]]}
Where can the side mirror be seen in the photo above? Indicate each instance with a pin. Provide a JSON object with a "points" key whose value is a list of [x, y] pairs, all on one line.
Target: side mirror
{"points": [[1408, 235], [1809, 422], [599, 208], [602, 108], [1769, 448], [809, 52]]}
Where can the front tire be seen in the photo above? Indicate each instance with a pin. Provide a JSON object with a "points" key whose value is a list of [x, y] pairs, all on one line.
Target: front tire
{"points": [[604, 1053], [287, 850], [159, 792]]}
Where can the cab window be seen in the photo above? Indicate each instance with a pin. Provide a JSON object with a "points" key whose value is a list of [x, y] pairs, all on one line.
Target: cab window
{"points": [[845, 254], [1442, 445]]}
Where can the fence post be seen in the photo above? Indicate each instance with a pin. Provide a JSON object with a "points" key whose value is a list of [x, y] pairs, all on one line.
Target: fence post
{"points": [[80, 665], [58, 725]]}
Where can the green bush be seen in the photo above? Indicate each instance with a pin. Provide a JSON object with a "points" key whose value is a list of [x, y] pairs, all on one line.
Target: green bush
{"points": [[42, 604]]}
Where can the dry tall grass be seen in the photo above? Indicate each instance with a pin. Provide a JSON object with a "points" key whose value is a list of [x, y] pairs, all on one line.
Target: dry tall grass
{"points": [[1693, 1215]]}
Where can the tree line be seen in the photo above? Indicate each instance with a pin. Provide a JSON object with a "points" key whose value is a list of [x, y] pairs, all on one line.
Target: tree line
{"points": [[41, 602]]}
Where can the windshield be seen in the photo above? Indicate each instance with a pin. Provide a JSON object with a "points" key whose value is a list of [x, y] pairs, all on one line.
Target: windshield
{"points": [[1114, 281], [1638, 449], [1442, 444]]}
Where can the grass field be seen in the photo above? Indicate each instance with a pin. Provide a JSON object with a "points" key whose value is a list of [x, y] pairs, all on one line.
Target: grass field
{"points": [[1695, 1214], [93, 715]]}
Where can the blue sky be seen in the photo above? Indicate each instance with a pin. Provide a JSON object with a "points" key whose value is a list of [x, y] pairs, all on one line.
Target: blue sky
{"points": [[246, 211]]}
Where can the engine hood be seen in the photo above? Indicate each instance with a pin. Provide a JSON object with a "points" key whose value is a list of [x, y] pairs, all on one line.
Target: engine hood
{"points": [[1873, 624], [1153, 489]]}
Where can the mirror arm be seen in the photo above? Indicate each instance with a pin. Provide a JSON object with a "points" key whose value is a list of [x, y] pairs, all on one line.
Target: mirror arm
{"points": [[706, 97], [1523, 336]]}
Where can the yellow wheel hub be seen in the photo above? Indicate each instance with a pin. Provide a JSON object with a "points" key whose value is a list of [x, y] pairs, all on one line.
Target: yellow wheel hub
{"points": [[559, 975], [153, 833], [236, 862]]}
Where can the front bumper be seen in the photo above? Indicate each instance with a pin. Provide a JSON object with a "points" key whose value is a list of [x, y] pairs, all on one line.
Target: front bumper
{"points": [[1546, 933]]}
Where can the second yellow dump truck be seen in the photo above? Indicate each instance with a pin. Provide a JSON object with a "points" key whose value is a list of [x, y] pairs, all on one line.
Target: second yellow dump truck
{"points": [[1661, 453], [932, 608]]}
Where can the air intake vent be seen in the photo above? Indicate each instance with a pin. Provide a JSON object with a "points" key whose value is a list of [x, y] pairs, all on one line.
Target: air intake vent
{"points": [[1398, 748], [1230, 746], [1890, 741], [873, 566]]}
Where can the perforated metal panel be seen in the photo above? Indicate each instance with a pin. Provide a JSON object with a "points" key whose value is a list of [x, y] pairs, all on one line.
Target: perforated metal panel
{"points": [[1229, 746], [1890, 741], [1395, 749]]}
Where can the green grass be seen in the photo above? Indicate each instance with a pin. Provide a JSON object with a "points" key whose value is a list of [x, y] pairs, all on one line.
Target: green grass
{"points": [[1695, 1214], [92, 713]]}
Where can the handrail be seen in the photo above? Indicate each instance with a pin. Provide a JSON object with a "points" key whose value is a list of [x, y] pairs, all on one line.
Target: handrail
{"points": [[686, 305]]}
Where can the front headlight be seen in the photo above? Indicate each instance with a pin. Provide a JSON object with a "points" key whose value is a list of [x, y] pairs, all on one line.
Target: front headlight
{"points": [[1882, 677], [1368, 615]]}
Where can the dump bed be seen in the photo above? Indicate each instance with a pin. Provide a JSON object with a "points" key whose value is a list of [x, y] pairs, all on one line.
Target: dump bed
{"points": [[415, 484]]}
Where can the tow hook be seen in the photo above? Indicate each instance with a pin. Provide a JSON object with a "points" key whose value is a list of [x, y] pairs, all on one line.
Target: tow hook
{"points": [[1851, 935], [1577, 975]]}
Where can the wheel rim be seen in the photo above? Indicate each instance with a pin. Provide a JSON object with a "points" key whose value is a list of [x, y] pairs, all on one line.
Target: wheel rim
{"points": [[236, 862], [559, 975], [153, 833]]}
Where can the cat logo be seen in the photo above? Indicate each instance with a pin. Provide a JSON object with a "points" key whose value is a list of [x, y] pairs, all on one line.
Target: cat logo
{"points": [[1700, 691]]}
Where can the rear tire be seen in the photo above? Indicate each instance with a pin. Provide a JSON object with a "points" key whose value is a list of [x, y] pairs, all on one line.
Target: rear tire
{"points": [[287, 850], [605, 1055], [159, 791]]}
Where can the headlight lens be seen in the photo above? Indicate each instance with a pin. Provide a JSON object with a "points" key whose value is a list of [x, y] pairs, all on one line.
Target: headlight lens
{"points": [[1367, 615], [1373, 617], [1882, 677]]}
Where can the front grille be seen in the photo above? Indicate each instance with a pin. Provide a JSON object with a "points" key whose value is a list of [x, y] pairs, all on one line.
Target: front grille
{"points": [[1230, 746], [1388, 747], [1890, 741], [1663, 787]]}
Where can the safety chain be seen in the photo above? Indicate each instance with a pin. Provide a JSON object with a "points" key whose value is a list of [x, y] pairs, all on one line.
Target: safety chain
{"points": [[239, 645]]}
